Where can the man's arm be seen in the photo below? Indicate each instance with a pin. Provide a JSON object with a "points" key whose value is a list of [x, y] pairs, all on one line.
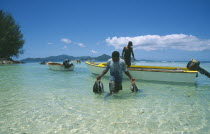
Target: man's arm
{"points": [[127, 72], [105, 71], [132, 54], [123, 52], [129, 75], [102, 74]]}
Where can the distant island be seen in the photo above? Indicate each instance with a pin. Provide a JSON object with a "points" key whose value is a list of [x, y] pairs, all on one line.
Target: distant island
{"points": [[103, 57]]}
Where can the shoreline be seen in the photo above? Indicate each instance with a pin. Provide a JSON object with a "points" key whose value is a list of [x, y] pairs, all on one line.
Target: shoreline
{"points": [[10, 61]]}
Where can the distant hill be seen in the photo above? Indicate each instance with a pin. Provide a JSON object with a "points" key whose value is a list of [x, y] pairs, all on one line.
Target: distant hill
{"points": [[103, 57]]}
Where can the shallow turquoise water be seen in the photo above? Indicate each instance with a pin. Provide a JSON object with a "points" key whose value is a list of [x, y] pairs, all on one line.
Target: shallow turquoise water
{"points": [[34, 99]]}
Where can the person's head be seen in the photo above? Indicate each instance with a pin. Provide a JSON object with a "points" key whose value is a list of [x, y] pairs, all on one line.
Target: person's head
{"points": [[130, 44], [115, 56], [67, 60]]}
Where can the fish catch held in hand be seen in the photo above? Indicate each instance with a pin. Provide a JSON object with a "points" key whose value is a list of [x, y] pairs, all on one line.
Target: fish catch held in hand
{"points": [[133, 87], [98, 87]]}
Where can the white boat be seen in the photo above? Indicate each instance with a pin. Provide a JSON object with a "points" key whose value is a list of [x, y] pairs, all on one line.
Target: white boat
{"points": [[151, 73], [60, 67]]}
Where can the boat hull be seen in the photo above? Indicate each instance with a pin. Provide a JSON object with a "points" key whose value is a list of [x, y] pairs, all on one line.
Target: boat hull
{"points": [[59, 67], [151, 73]]}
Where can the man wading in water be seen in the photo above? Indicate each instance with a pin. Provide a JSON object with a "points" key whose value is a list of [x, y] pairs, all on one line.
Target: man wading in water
{"points": [[116, 66]]}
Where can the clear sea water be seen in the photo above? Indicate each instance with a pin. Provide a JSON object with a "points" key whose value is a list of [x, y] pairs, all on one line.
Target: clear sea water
{"points": [[36, 100]]}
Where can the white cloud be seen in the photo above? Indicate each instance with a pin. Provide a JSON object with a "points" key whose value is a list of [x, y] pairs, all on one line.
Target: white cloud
{"points": [[68, 41], [157, 42], [49, 43], [65, 48], [80, 44], [65, 40], [93, 51]]}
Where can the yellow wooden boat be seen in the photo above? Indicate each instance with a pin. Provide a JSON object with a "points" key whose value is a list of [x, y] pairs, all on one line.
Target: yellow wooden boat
{"points": [[151, 73]]}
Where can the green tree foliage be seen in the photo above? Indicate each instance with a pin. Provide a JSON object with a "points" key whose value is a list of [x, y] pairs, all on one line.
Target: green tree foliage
{"points": [[11, 39]]}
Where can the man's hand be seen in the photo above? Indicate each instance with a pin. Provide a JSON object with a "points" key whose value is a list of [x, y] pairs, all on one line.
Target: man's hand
{"points": [[133, 80], [98, 77]]}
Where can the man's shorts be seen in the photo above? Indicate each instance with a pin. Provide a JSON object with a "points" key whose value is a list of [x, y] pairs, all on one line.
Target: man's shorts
{"points": [[118, 87], [128, 61]]}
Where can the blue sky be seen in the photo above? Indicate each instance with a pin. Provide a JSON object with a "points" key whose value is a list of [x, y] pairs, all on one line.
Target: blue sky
{"points": [[159, 29]]}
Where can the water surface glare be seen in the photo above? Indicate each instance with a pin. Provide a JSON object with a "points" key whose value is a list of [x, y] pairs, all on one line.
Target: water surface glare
{"points": [[36, 100]]}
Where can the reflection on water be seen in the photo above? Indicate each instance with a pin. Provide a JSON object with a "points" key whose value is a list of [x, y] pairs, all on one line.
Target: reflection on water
{"points": [[34, 99]]}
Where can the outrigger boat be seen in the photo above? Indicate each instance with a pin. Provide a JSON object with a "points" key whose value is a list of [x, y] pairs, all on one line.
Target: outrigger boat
{"points": [[151, 73], [60, 67]]}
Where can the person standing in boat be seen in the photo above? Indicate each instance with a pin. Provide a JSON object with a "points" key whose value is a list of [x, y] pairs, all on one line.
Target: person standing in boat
{"points": [[116, 67], [126, 53], [66, 63]]}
